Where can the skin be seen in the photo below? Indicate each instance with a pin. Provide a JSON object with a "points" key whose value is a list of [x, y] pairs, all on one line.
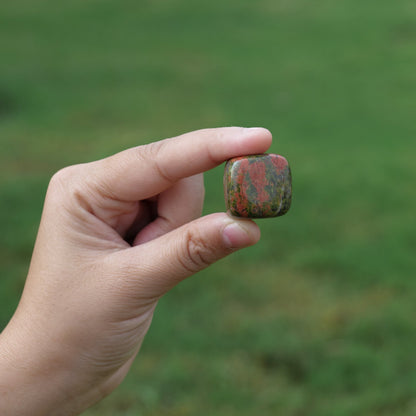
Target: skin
{"points": [[114, 237]]}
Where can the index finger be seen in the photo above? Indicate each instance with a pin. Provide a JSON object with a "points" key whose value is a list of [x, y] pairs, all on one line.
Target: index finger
{"points": [[144, 171]]}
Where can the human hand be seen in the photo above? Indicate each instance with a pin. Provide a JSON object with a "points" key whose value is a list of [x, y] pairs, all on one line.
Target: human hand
{"points": [[115, 235]]}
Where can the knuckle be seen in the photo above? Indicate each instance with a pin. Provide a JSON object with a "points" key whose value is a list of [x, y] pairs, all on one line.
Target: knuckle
{"points": [[65, 188], [198, 253], [61, 176], [150, 150], [152, 154], [60, 182]]}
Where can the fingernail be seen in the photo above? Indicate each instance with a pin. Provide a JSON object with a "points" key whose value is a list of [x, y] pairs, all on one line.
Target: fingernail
{"points": [[240, 234]]}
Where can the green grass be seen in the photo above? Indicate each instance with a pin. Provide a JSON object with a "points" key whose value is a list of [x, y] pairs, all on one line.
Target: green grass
{"points": [[318, 318]]}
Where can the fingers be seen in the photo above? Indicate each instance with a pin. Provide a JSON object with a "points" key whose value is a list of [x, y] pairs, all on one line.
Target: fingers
{"points": [[151, 269], [176, 206], [142, 172]]}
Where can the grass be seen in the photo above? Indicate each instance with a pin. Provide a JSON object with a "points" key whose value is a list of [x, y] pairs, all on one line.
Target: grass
{"points": [[315, 320]]}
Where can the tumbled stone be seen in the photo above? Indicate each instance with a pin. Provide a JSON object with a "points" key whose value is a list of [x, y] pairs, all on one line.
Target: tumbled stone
{"points": [[258, 186]]}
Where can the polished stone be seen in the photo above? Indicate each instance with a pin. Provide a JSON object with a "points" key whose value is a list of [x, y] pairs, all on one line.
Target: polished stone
{"points": [[258, 186]]}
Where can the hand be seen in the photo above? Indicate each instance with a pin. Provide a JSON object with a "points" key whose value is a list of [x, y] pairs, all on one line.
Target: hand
{"points": [[115, 235]]}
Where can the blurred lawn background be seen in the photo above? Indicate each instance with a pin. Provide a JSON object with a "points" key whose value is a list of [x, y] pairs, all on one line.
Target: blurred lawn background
{"points": [[319, 317]]}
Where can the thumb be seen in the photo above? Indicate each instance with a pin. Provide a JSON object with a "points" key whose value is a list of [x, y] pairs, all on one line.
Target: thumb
{"points": [[151, 269]]}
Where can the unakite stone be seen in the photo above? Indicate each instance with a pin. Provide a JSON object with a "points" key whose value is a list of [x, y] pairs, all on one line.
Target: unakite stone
{"points": [[258, 186]]}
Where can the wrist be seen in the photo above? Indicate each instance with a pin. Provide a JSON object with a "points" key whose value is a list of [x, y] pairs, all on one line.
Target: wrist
{"points": [[38, 381]]}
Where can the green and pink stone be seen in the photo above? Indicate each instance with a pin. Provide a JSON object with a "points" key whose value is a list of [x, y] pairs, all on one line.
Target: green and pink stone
{"points": [[258, 186]]}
